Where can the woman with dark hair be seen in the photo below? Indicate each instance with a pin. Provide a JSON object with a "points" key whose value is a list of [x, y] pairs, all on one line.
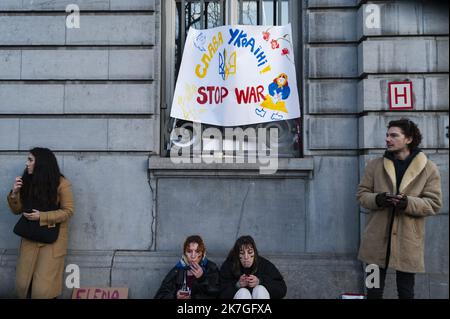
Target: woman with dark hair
{"points": [[193, 277], [247, 275], [42, 195]]}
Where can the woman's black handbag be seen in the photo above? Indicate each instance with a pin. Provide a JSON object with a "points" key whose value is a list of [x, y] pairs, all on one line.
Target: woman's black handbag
{"points": [[32, 230]]}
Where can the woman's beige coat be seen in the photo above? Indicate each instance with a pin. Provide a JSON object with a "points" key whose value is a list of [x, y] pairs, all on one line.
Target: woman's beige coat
{"points": [[44, 263]]}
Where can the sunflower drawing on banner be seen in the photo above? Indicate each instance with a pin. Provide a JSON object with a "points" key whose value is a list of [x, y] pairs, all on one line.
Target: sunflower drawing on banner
{"points": [[237, 75]]}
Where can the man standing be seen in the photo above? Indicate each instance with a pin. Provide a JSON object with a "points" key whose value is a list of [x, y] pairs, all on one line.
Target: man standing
{"points": [[400, 189]]}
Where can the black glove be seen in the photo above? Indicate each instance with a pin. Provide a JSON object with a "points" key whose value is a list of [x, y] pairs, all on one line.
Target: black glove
{"points": [[383, 200], [402, 203]]}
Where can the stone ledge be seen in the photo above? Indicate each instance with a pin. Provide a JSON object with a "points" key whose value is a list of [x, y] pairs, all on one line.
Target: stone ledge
{"points": [[287, 167], [144, 271], [308, 275]]}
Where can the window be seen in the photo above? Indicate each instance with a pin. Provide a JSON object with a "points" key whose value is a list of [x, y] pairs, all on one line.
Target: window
{"points": [[180, 15]]}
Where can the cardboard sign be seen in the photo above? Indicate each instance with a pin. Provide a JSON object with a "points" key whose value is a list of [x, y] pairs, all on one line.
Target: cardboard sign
{"points": [[237, 75], [400, 95], [100, 293]]}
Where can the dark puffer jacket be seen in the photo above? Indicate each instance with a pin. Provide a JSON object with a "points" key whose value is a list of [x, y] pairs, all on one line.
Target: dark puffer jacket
{"points": [[268, 275], [205, 287]]}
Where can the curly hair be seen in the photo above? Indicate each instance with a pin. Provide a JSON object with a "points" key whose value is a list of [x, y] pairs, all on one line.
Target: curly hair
{"points": [[410, 129], [41, 187]]}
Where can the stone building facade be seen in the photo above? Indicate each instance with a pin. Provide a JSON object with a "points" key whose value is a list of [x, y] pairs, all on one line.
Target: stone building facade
{"points": [[98, 96]]}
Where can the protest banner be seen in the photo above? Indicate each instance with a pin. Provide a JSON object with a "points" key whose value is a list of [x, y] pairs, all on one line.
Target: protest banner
{"points": [[237, 75]]}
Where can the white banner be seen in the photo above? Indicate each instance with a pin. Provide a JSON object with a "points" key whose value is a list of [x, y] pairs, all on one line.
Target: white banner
{"points": [[237, 75]]}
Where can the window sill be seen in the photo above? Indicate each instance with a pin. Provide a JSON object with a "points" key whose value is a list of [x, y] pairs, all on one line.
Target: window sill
{"points": [[286, 168]]}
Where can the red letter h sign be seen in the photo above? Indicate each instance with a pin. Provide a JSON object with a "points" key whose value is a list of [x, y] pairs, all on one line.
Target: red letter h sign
{"points": [[400, 95]]}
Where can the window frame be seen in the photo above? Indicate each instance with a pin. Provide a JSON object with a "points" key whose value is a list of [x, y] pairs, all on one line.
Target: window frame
{"points": [[232, 15]]}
